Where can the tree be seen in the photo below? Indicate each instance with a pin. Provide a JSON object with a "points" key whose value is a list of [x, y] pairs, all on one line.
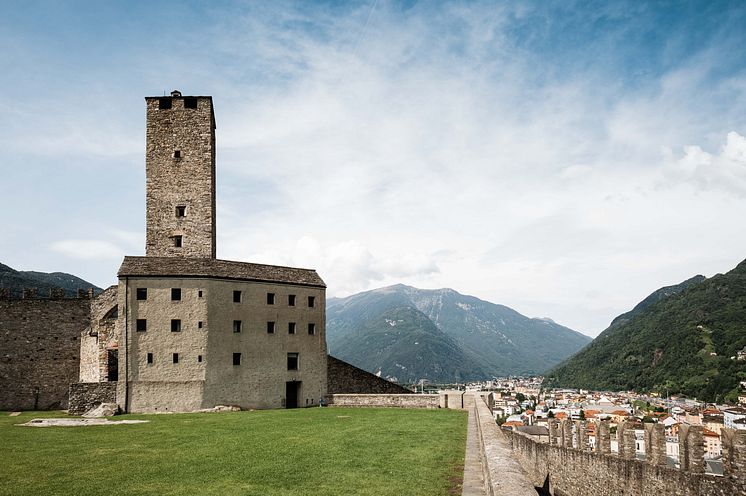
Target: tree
{"points": [[582, 414], [520, 397], [551, 414]]}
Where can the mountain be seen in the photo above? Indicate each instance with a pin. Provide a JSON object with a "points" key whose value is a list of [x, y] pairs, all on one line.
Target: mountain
{"points": [[17, 281], [680, 339], [465, 338]]}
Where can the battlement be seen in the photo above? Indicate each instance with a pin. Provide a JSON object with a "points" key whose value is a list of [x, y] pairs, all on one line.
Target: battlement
{"points": [[52, 293], [572, 465]]}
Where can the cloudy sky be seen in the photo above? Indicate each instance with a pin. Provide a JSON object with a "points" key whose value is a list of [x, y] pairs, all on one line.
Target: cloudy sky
{"points": [[564, 159]]}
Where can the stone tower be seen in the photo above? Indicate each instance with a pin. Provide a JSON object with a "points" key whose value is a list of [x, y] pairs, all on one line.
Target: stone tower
{"points": [[180, 170]]}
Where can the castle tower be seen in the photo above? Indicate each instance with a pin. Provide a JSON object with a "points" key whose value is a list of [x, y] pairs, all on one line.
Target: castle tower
{"points": [[180, 170]]}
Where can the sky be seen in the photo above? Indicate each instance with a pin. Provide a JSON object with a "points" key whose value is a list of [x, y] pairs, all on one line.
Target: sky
{"points": [[562, 158]]}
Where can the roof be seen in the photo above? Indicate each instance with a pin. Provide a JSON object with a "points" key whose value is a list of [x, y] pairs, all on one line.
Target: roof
{"points": [[217, 269], [533, 430]]}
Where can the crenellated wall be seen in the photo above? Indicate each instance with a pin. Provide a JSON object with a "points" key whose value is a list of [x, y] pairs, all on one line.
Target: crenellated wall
{"points": [[574, 470]]}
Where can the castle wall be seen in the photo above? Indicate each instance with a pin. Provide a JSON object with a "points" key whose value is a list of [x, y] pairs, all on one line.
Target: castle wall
{"points": [[345, 378], [39, 352], [100, 337], [574, 472], [85, 396], [385, 400]]}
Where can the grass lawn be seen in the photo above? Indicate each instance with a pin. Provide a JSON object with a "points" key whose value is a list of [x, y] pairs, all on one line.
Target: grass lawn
{"points": [[329, 451]]}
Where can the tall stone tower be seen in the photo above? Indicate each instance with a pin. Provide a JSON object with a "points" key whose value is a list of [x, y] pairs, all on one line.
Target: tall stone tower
{"points": [[180, 170]]}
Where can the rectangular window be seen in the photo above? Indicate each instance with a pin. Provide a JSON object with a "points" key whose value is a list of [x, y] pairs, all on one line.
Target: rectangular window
{"points": [[292, 361], [270, 298], [291, 327], [311, 301], [178, 241], [199, 294], [176, 358], [236, 326], [236, 359], [177, 153], [175, 294], [175, 325], [291, 300], [270, 327], [142, 293], [164, 103], [199, 325], [142, 325], [190, 103], [199, 358], [236, 297], [150, 358], [311, 329], [180, 211]]}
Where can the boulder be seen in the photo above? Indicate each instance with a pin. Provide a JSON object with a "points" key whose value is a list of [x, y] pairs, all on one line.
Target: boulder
{"points": [[102, 410]]}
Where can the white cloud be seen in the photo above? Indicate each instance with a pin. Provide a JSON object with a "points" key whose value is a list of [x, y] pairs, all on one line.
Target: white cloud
{"points": [[89, 249]]}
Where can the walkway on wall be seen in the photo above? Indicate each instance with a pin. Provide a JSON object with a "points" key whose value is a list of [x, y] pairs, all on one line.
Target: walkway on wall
{"points": [[473, 473]]}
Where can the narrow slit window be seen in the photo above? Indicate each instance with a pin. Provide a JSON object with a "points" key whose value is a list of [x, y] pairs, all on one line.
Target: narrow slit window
{"points": [[175, 358], [142, 293], [236, 359], [180, 211], [175, 325], [199, 358], [142, 325], [178, 241], [199, 325], [150, 358], [236, 326], [291, 327], [270, 327], [199, 294]]}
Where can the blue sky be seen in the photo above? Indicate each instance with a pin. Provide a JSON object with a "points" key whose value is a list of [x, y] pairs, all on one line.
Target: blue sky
{"points": [[562, 158]]}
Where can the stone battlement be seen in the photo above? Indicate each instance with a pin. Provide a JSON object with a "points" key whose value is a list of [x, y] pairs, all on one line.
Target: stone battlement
{"points": [[50, 294]]}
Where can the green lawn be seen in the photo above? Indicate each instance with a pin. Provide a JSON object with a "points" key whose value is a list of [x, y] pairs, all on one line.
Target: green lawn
{"points": [[329, 451]]}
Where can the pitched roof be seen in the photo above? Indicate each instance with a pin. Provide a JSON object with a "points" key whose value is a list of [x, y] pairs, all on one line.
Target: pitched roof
{"points": [[217, 269]]}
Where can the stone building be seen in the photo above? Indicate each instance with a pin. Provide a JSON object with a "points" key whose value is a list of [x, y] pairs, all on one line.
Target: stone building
{"points": [[183, 330]]}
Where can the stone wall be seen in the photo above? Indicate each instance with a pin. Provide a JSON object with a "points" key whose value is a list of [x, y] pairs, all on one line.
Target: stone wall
{"points": [[101, 338], [345, 378], [87, 395], [385, 400], [581, 472], [39, 350]]}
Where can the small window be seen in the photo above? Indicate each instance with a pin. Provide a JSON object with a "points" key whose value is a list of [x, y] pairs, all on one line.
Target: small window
{"points": [[199, 294], [291, 327], [178, 241], [291, 300], [236, 326], [150, 358], [180, 211], [270, 327], [175, 325], [142, 325], [311, 301], [236, 359], [236, 297], [177, 153], [142, 293], [199, 358], [292, 361], [270, 298], [190, 103], [199, 325], [176, 358], [311, 329], [164, 103], [175, 294]]}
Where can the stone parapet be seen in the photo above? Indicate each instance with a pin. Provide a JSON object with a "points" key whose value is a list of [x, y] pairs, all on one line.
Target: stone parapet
{"points": [[384, 400]]}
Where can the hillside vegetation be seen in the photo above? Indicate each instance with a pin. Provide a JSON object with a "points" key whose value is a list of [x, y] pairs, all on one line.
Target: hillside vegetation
{"points": [[18, 280], [679, 343]]}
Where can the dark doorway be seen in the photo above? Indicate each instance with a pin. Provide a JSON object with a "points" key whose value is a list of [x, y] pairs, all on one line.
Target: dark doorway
{"points": [[292, 388], [112, 366]]}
